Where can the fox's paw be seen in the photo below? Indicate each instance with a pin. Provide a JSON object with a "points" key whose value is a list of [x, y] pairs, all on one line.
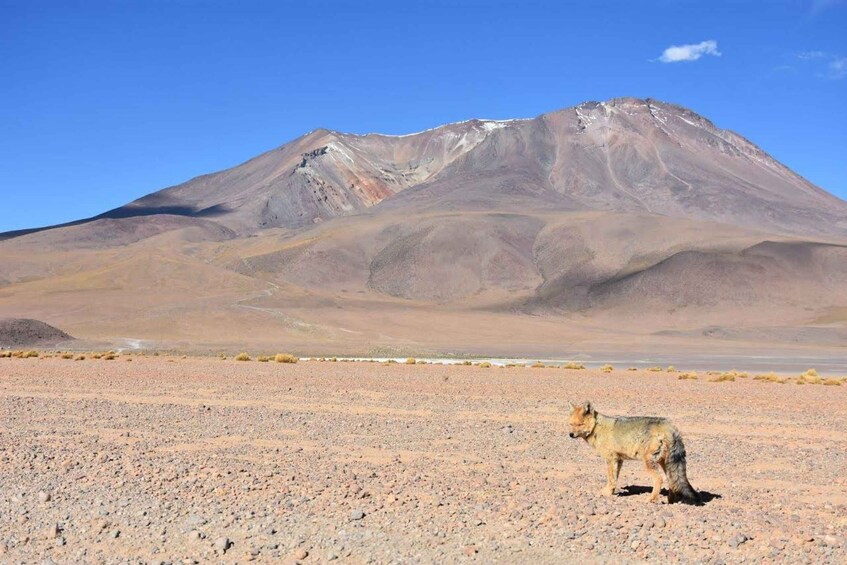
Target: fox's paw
{"points": [[654, 498], [607, 491]]}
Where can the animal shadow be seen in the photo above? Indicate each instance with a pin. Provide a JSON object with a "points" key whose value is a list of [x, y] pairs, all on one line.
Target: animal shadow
{"points": [[632, 490]]}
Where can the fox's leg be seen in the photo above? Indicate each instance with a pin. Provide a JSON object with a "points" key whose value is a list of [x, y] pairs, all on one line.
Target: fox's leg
{"points": [[654, 460], [613, 467], [656, 474]]}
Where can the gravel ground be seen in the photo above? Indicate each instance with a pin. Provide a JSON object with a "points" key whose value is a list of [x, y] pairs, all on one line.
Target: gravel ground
{"points": [[171, 460]]}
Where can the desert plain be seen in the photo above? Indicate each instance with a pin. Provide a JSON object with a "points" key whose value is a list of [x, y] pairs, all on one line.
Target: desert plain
{"points": [[171, 459]]}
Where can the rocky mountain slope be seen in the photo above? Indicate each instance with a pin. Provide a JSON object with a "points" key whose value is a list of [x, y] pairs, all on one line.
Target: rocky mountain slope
{"points": [[626, 217]]}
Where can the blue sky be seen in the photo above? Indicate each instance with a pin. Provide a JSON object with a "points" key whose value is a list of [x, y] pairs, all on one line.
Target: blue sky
{"points": [[103, 102]]}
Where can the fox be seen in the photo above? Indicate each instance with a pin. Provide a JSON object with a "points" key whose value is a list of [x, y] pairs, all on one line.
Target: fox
{"points": [[655, 441]]}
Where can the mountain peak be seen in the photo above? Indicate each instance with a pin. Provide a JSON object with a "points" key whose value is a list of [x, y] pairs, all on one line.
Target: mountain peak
{"points": [[624, 154]]}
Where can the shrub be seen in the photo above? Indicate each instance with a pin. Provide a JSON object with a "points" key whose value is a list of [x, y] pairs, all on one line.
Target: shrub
{"points": [[411, 361], [129, 358], [285, 358], [79, 358], [811, 373], [263, 359], [724, 378], [67, 355], [30, 353], [632, 368], [671, 369], [485, 365], [537, 365], [771, 378], [421, 362], [574, 365], [242, 356], [655, 369], [687, 376], [810, 379], [832, 382], [606, 368], [108, 356], [467, 363]]}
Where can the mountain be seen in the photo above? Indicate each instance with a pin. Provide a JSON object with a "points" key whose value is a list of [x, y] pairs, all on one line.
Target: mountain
{"points": [[630, 218]]}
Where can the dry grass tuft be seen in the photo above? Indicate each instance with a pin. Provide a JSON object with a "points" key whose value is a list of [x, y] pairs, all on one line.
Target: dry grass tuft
{"points": [[67, 355], [575, 366], [724, 378], [5, 354], [811, 373], [485, 365], [771, 378], [242, 356], [671, 369], [411, 361], [809, 379], [655, 369], [832, 382], [632, 368], [79, 358], [537, 365], [30, 353], [692, 376], [606, 368], [108, 356], [263, 358], [285, 358]]}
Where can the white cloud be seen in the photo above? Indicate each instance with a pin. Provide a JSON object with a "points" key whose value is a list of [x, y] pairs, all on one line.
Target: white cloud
{"points": [[810, 55], [679, 53], [819, 6], [825, 65], [838, 68]]}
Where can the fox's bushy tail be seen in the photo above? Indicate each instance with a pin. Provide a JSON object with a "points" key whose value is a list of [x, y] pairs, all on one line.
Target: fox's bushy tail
{"points": [[679, 489]]}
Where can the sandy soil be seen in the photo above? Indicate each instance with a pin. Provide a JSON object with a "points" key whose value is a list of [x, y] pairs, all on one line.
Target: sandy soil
{"points": [[196, 460]]}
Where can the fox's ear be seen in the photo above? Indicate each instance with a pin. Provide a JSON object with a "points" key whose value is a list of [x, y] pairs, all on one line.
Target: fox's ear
{"points": [[570, 405], [586, 407]]}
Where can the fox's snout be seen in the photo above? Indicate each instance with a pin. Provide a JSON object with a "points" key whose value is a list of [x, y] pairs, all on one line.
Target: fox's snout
{"points": [[571, 434]]}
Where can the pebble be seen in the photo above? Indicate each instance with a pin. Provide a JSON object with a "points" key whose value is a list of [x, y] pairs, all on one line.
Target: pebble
{"points": [[357, 514], [222, 544], [43, 497], [737, 540]]}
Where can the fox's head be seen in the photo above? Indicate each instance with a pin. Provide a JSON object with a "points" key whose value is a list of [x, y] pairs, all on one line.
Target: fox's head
{"points": [[582, 420]]}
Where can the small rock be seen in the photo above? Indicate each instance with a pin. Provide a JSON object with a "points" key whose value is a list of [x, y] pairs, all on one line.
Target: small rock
{"points": [[357, 514], [53, 531], [222, 544], [471, 550], [737, 540], [833, 541], [301, 554], [43, 497]]}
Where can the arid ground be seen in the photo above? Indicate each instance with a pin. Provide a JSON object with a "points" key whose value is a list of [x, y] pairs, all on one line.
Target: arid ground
{"points": [[167, 460]]}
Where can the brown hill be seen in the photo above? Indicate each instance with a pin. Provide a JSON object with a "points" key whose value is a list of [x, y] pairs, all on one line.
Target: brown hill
{"points": [[20, 332]]}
